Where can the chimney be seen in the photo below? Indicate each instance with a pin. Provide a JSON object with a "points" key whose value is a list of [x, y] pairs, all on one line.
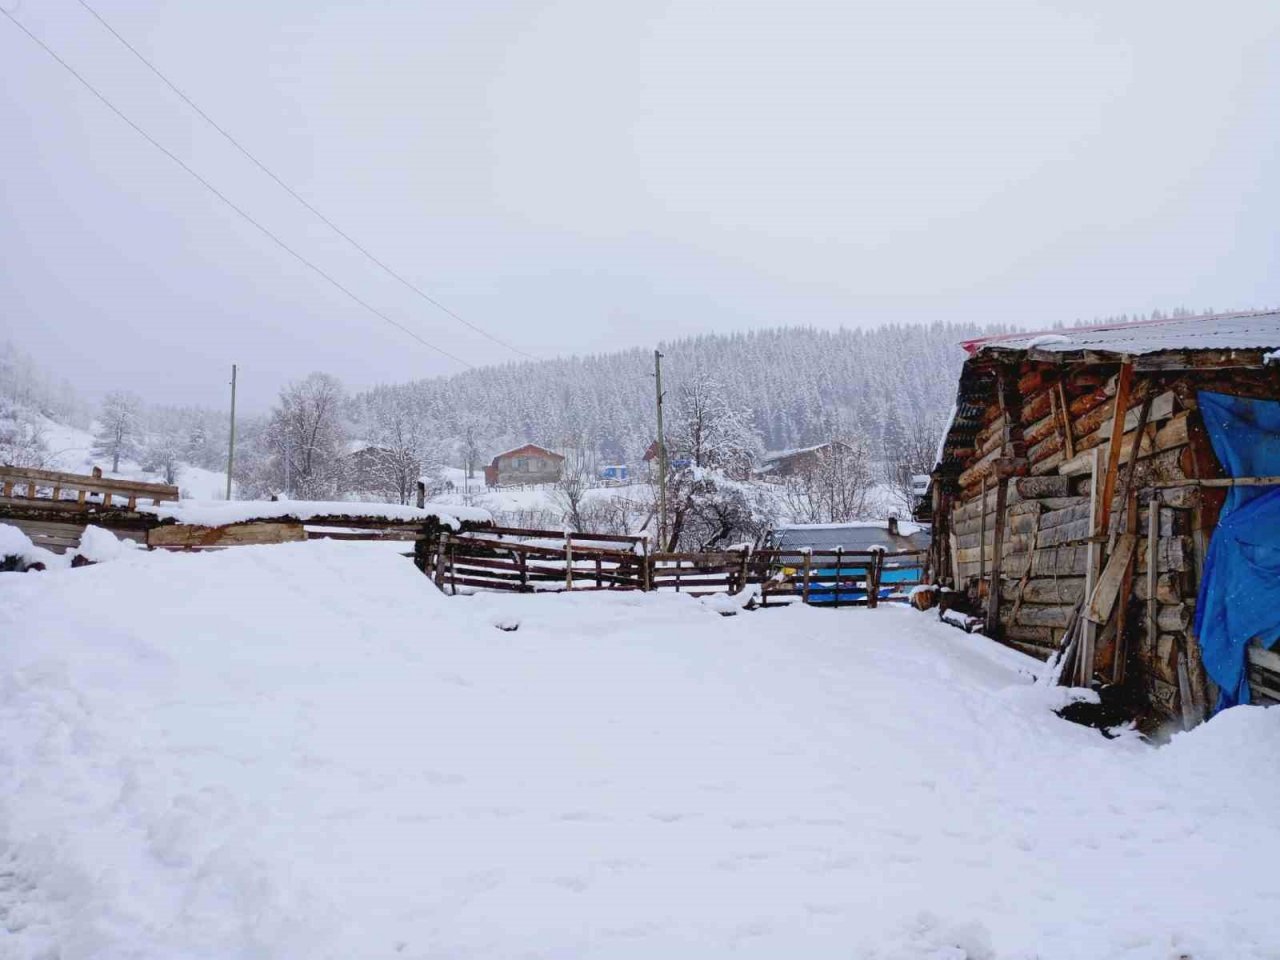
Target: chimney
{"points": [[893, 526]]}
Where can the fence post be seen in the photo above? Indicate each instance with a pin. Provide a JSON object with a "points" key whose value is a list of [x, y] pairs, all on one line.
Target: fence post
{"points": [[568, 562], [808, 569], [873, 578], [646, 569], [677, 574], [599, 581], [742, 570], [839, 573], [441, 545], [524, 570], [422, 494]]}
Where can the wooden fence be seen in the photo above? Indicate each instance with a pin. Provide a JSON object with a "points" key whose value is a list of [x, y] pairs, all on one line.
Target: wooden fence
{"points": [[839, 577], [502, 558], [52, 508]]}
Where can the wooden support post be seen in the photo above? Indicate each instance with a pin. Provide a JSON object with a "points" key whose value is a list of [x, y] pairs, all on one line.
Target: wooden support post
{"points": [[441, 546], [646, 572], [599, 577], [677, 574], [997, 548], [568, 563], [1068, 440], [453, 571], [839, 573], [982, 534], [422, 494], [1153, 551], [1093, 564], [873, 578], [1120, 665], [808, 569], [1131, 466], [1124, 387], [742, 569], [524, 571]]}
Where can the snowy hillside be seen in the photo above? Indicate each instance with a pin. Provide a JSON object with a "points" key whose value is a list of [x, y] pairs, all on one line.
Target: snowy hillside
{"points": [[306, 751], [70, 449]]}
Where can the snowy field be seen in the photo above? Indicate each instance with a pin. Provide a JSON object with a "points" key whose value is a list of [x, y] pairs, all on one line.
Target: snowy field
{"points": [[305, 751]]}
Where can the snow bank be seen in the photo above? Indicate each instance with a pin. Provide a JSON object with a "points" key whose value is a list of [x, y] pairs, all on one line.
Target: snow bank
{"points": [[215, 513], [15, 543], [306, 751], [101, 545]]}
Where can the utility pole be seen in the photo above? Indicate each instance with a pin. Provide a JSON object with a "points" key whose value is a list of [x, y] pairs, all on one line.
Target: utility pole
{"points": [[231, 447], [662, 458]]}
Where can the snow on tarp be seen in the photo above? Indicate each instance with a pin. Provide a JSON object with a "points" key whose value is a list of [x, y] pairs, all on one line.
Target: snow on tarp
{"points": [[216, 513], [279, 752]]}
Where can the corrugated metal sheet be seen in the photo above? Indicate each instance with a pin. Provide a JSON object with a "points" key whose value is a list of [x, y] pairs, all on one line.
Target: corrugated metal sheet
{"points": [[1232, 331]]}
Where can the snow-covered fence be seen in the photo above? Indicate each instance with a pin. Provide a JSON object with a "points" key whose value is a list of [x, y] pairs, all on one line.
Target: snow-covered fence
{"points": [[53, 508], [503, 558], [506, 558]]}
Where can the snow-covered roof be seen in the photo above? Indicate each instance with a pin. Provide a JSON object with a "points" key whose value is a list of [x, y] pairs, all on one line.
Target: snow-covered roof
{"points": [[1259, 330], [216, 513]]}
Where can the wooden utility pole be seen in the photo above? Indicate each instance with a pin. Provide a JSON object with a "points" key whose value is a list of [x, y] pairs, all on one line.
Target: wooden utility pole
{"points": [[231, 446], [662, 457]]}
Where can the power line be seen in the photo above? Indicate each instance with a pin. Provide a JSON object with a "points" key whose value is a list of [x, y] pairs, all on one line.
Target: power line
{"points": [[293, 193], [217, 193]]}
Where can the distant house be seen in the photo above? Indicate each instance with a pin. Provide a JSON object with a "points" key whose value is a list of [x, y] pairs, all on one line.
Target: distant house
{"points": [[788, 463], [527, 464]]}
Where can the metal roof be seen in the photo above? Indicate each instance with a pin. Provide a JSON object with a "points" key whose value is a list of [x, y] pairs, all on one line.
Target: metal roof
{"points": [[1258, 330]]}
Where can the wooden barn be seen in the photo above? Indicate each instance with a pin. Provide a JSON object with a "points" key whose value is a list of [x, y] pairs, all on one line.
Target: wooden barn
{"points": [[528, 464], [1077, 491]]}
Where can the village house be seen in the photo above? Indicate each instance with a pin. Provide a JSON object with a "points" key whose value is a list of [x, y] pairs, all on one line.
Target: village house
{"points": [[527, 464], [1112, 494], [789, 463]]}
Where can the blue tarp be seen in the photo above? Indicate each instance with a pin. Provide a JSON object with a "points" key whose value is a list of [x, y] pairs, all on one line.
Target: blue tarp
{"points": [[1240, 592]]}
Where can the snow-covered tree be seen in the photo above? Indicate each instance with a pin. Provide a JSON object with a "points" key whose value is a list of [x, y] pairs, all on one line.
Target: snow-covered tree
{"points": [[301, 448], [119, 428], [162, 454], [399, 447], [22, 441]]}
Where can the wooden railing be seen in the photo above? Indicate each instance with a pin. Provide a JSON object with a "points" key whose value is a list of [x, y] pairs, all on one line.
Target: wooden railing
{"points": [[72, 489]]}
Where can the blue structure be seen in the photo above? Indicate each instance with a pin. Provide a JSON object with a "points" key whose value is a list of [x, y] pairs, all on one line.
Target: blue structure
{"points": [[618, 472]]}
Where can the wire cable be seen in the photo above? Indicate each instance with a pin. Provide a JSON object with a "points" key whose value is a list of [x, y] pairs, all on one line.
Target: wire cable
{"points": [[221, 196], [293, 193]]}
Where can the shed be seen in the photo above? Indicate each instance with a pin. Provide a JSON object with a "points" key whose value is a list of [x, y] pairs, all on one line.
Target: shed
{"points": [[1078, 494]]}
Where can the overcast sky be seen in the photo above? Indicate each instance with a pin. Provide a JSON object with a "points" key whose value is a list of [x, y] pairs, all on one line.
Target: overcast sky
{"points": [[583, 175]]}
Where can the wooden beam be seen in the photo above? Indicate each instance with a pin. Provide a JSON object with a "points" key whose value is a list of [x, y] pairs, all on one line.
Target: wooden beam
{"points": [[175, 536], [1088, 629], [1133, 462], [1124, 385], [993, 593]]}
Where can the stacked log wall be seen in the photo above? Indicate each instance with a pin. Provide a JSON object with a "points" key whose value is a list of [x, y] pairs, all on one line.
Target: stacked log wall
{"points": [[1062, 425]]}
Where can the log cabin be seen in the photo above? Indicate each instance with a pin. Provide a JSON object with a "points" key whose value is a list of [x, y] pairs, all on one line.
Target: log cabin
{"points": [[1077, 491]]}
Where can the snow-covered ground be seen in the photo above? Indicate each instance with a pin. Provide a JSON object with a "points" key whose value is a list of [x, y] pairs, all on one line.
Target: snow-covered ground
{"points": [[305, 751]]}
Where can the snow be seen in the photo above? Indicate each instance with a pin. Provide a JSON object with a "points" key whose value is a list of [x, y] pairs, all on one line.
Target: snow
{"points": [[905, 527], [101, 545], [217, 512], [15, 543], [69, 451], [1047, 339], [306, 751]]}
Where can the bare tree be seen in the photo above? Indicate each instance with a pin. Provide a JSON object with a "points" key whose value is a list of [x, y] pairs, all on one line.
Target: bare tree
{"points": [[832, 487], [570, 493], [118, 428], [303, 443]]}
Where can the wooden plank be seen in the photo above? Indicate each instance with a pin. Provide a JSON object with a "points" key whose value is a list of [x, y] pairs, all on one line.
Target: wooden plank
{"points": [[993, 595], [92, 484], [1124, 385], [1088, 629], [194, 536], [1102, 600]]}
